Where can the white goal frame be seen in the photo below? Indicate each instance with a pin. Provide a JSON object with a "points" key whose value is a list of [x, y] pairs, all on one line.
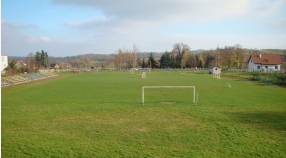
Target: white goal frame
{"points": [[194, 91], [132, 69]]}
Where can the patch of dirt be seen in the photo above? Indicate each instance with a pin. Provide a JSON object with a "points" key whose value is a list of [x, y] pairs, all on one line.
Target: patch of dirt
{"points": [[168, 102]]}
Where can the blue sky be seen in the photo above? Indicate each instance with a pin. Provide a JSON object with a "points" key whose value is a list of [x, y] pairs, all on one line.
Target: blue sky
{"points": [[74, 27]]}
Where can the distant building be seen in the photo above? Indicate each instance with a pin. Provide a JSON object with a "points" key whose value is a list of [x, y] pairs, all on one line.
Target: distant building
{"points": [[214, 69], [264, 62], [54, 66], [20, 63], [4, 62]]}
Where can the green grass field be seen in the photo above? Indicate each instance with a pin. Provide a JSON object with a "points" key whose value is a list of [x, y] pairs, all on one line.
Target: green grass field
{"points": [[101, 115]]}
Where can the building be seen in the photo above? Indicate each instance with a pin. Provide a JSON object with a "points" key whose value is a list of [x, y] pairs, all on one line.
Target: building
{"points": [[54, 66], [264, 62], [214, 69], [20, 63], [4, 62]]}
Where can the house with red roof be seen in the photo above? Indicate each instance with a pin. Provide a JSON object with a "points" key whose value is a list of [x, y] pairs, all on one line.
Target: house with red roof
{"points": [[20, 63], [264, 62]]}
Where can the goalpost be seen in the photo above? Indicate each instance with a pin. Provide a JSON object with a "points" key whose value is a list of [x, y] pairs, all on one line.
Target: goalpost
{"points": [[194, 91], [132, 69]]}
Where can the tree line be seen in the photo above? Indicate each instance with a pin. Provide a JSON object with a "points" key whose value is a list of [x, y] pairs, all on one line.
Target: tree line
{"points": [[181, 57], [39, 60], [33, 63], [126, 59]]}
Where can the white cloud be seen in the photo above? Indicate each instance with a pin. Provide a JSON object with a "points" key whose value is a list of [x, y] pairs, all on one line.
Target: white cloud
{"points": [[73, 23], [34, 39], [180, 10], [265, 8], [130, 16], [14, 25], [278, 23], [127, 22]]}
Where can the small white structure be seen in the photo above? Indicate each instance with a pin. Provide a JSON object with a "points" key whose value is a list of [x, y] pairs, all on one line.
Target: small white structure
{"points": [[4, 62], [228, 85], [215, 71], [143, 75], [264, 62], [216, 75]]}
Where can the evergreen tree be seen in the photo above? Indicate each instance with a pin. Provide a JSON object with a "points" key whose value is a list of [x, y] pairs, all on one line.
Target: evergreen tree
{"points": [[172, 63], [38, 56], [165, 60], [178, 61], [38, 59], [44, 59], [209, 59], [12, 64], [152, 61], [143, 63]]}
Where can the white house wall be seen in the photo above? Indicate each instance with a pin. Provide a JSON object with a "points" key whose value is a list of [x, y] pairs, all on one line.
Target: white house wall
{"points": [[4, 62], [264, 67], [252, 66], [270, 68]]}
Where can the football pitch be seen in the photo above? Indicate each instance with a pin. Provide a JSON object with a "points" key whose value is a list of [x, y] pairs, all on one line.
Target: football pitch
{"points": [[100, 114]]}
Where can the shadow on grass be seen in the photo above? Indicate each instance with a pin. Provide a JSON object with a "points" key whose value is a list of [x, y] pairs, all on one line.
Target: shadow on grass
{"points": [[269, 84], [261, 83], [263, 120]]}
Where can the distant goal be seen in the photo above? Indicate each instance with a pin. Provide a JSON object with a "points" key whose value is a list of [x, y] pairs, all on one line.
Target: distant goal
{"points": [[192, 87]]}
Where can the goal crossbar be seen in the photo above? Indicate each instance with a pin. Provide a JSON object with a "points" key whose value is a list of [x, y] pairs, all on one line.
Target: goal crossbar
{"points": [[194, 91]]}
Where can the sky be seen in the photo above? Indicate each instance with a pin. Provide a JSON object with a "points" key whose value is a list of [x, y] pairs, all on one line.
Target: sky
{"points": [[77, 27]]}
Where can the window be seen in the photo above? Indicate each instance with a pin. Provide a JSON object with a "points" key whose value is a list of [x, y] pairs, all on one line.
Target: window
{"points": [[2, 59], [266, 67], [276, 67], [258, 67]]}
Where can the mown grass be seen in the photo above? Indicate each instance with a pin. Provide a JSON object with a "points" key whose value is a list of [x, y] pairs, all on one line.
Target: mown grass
{"points": [[101, 115]]}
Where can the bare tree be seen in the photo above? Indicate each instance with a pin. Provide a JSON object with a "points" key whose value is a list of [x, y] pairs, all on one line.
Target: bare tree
{"points": [[126, 58], [135, 55], [208, 58], [192, 60], [76, 63], [31, 62], [217, 52], [64, 65], [181, 50], [227, 56], [239, 55], [110, 61], [118, 59], [129, 59]]}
